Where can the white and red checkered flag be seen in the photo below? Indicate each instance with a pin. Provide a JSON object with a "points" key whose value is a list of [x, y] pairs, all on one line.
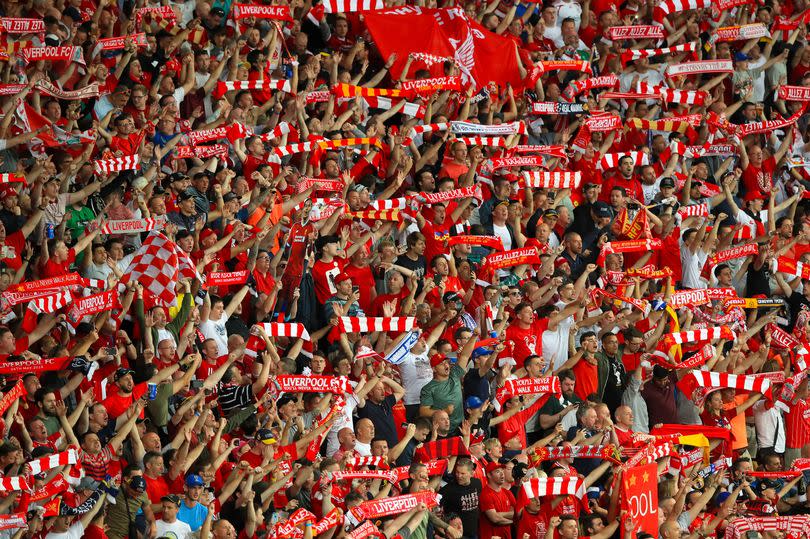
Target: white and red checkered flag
{"points": [[350, 6], [611, 160], [117, 164], [700, 335], [538, 487], [52, 461], [157, 266], [557, 179], [360, 324]]}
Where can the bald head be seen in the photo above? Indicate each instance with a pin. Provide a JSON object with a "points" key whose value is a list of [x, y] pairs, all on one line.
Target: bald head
{"points": [[365, 430]]}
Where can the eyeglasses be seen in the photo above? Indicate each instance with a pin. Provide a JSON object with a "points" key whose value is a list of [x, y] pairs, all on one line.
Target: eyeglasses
{"points": [[137, 96]]}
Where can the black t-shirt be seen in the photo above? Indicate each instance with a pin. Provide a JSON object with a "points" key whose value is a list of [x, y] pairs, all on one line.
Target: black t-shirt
{"points": [[464, 502], [615, 383], [796, 302], [383, 418]]}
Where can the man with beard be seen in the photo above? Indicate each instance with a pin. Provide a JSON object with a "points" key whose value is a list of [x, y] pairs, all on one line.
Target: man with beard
{"points": [[497, 505], [461, 496], [130, 501]]}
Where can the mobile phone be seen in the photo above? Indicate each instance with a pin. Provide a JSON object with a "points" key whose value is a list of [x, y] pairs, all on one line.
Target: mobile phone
{"points": [[110, 350], [437, 279], [197, 384], [355, 289]]}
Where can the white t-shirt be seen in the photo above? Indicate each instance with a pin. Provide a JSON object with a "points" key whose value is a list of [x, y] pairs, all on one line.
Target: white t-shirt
{"points": [[175, 530], [650, 191], [74, 532], [415, 372], [691, 264], [363, 449], [555, 343], [215, 329], [344, 419], [503, 233]]}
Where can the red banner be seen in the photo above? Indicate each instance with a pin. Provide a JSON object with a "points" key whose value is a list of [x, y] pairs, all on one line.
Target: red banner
{"points": [[519, 161], [280, 13], [515, 257], [640, 498], [493, 242], [221, 278], [103, 301], [635, 32]]}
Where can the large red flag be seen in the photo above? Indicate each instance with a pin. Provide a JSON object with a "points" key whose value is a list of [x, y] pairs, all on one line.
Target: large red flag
{"points": [[641, 496], [437, 34]]}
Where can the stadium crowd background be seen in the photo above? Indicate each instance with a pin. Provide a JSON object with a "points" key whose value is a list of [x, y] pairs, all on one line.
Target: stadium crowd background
{"points": [[371, 268]]}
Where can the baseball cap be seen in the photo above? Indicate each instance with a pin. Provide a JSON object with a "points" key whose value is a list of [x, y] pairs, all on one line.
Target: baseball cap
{"points": [[754, 195], [437, 359], [601, 209], [358, 188], [138, 483], [205, 232], [668, 182], [227, 197], [660, 372], [473, 402], [492, 466], [741, 57], [185, 195], [341, 277], [121, 372], [7, 192], [217, 12], [175, 177], [551, 212], [171, 498], [194, 480], [265, 436]]}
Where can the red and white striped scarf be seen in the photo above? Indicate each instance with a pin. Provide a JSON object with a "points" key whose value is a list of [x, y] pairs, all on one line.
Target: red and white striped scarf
{"points": [[693, 210], [611, 160], [607, 452], [700, 335], [375, 215], [635, 54], [414, 110], [52, 461], [117, 164], [281, 329], [683, 97], [284, 128], [264, 85], [13, 483], [795, 526], [711, 379], [577, 87], [509, 128], [292, 149], [554, 486], [360, 324], [674, 6], [52, 302], [390, 204], [374, 509], [429, 128], [351, 6], [492, 142], [558, 179], [557, 150], [743, 32]]}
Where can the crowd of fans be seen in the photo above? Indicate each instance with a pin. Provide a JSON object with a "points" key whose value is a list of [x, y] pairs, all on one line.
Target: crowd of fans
{"points": [[250, 289]]}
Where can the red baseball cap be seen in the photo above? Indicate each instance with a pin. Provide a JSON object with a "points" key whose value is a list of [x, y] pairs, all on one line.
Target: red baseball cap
{"points": [[437, 359], [492, 466]]}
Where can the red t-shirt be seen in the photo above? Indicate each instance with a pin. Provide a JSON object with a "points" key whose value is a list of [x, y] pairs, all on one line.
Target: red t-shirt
{"points": [[364, 279], [117, 404], [11, 249], [322, 274], [299, 239], [533, 525], [587, 379], [527, 341], [56, 269], [759, 178], [156, 489], [501, 501]]}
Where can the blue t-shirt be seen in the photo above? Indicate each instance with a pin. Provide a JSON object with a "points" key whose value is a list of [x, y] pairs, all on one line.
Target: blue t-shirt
{"points": [[193, 516]]}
